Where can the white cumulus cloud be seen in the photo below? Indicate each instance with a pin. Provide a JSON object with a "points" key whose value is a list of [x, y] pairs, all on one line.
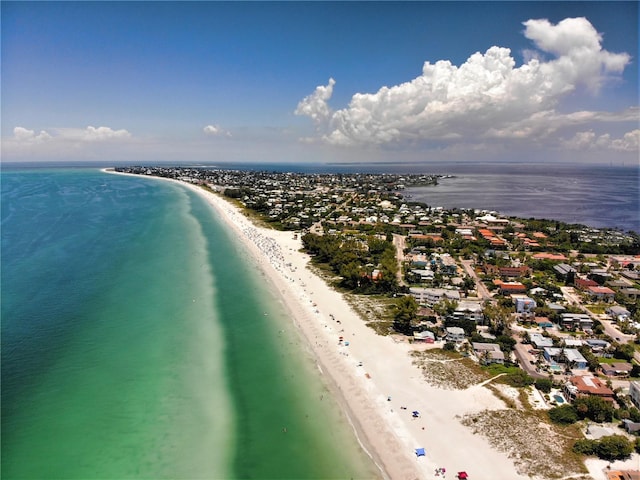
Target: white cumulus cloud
{"points": [[22, 134], [487, 97], [64, 142], [315, 105], [629, 142], [215, 130], [103, 133]]}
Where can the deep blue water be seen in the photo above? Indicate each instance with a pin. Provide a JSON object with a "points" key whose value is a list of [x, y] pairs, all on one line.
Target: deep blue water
{"points": [[601, 197]]}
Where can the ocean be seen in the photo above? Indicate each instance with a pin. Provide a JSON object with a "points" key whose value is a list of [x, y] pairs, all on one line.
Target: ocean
{"points": [[138, 341]]}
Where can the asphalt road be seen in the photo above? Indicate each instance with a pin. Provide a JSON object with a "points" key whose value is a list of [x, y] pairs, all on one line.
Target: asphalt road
{"points": [[483, 293]]}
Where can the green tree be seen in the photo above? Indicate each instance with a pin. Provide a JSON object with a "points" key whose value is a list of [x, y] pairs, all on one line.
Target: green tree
{"points": [[624, 351], [544, 385], [406, 314], [585, 446], [614, 447], [518, 379], [564, 414], [594, 408], [506, 342]]}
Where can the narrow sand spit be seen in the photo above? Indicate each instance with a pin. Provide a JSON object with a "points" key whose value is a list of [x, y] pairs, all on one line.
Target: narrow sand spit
{"points": [[373, 377]]}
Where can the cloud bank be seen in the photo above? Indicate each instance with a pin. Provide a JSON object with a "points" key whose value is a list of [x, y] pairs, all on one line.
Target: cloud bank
{"points": [[64, 142], [89, 134], [487, 98]]}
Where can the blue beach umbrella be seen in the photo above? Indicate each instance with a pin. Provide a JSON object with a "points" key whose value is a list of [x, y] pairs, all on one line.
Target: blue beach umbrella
{"points": [[420, 452]]}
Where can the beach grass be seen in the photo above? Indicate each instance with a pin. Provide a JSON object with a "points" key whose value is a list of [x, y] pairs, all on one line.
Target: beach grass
{"points": [[537, 447], [449, 370]]}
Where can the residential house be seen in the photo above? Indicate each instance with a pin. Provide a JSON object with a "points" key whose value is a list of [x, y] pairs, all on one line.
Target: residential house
{"points": [[455, 334], [571, 357], [584, 283], [572, 321], [556, 307], [630, 293], [596, 344], [618, 313], [469, 310], [587, 385], [429, 296], [523, 303], [424, 275], [425, 337], [446, 263], [599, 275], [540, 341], [543, 322], [602, 294], [563, 270], [509, 288], [488, 352], [623, 261], [618, 369]]}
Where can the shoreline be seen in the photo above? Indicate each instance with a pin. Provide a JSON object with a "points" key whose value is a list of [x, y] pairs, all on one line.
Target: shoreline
{"points": [[373, 378]]}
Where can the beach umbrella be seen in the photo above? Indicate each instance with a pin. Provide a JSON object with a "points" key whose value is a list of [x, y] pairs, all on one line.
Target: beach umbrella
{"points": [[463, 475], [416, 414], [420, 452]]}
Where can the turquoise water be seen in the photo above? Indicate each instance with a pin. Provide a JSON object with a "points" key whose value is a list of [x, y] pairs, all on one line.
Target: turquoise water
{"points": [[135, 343]]}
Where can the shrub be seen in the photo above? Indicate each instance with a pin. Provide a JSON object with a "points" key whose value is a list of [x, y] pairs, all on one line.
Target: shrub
{"points": [[614, 447], [519, 378], [585, 446], [544, 384], [564, 414], [594, 408]]}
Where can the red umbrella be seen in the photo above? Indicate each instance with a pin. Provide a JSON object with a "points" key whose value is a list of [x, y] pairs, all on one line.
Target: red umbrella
{"points": [[462, 475]]}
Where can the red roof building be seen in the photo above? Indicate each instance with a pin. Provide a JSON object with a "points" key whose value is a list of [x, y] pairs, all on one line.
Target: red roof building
{"points": [[507, 288], [584, 283], [558, 257], [588, 385]]}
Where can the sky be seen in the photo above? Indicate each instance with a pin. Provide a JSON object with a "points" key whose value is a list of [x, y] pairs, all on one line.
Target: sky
{"points": [[280, 82]]}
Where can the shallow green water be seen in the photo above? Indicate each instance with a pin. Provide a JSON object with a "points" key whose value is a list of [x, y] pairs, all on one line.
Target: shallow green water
{"points": [[135, 343]]}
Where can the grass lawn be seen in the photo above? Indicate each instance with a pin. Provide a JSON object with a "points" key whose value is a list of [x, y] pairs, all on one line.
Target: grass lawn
{"points": [[597, 309]]}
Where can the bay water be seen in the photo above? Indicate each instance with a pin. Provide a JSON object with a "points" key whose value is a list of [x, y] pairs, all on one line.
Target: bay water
{"points": [[139, 341]]}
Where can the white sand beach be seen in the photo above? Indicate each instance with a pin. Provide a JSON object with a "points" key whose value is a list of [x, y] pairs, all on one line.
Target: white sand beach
{"points": [[387, 431], [390, 434]]}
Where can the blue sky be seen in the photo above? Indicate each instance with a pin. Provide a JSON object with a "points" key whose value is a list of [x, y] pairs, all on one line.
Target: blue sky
{"points": [[320, 81]]}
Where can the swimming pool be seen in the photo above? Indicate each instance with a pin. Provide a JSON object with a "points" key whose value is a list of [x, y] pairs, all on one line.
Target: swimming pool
{"points": [[558, 398]]}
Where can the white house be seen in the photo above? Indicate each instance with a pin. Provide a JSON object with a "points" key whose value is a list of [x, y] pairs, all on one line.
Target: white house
{"points": [[429, 296], [455, 334], [523, 303], [488, 352], [540, 341], [469, 310]]}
